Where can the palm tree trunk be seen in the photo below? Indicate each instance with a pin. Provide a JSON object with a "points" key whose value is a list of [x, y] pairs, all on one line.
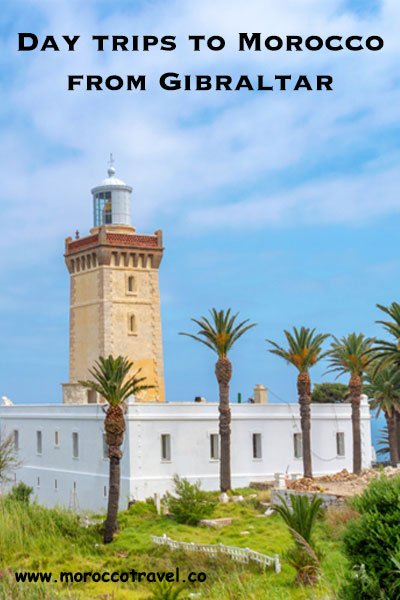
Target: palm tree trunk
{"points": [[304, 392], [355, 388], [110, 525], [223, 372], [397, 418], [391, 421], [114, 425]]}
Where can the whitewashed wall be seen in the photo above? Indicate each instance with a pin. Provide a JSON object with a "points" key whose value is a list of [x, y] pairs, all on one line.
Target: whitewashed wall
{"points": [[81, 481]]}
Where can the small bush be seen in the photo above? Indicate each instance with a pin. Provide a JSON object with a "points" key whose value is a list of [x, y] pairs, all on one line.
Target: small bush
{"points": [[372, 541], [21, 492], [190, 504], [300, 515]]}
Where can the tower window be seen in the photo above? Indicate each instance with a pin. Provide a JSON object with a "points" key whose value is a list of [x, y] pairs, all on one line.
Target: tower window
{"points": [[340, 444], [102, 209], [257, 451], [214, 446], [166, 447], [131, 285], [75, 445], [39, 445], [56, 439], [16, 439], [132, 324], [298, 445]]}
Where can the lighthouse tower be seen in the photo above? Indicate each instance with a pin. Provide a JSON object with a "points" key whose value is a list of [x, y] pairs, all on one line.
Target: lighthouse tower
{"points": [[114, 298]]}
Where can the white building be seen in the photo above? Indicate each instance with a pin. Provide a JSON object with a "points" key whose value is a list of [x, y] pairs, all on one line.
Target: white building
{"points": [[64, 457], [115, 309]]}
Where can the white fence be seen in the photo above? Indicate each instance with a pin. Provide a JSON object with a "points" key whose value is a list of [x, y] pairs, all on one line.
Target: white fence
{"points": [[243, 555]]}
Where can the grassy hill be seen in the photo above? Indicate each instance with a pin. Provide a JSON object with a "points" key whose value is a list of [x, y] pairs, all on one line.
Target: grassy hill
{"points": [[37, 539]]}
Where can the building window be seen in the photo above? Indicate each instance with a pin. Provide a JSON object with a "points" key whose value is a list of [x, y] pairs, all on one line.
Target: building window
{"points": [[131, 285], [132, 324], [38, 482], [257, 451], [102, 209], [91, 397], [16, 439], [105, 491], [105, 446], [55, 484], [340, 444], [214, 446], [75, 445], [56, 439], [39, 445], [298, 445], [74, 486], [166, 447]]}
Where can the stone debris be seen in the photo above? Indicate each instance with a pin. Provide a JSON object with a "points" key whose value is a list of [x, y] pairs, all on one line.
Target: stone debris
{"points": [[305, 484], [340, 483], [343, 475], [222, 522], [237, 499], [224, 498]]}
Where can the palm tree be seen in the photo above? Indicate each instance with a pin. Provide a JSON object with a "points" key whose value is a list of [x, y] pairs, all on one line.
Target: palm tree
{"points": [[303, 352], [219, 334], [389, 352], [300, 515], [351, 355], [112, 381], [384, 389]]}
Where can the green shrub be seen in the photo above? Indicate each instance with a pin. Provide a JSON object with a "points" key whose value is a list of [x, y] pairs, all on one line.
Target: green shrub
{"points": [[300, 515], [167, 591], [190, 504], [372, 541], [21, 492]]}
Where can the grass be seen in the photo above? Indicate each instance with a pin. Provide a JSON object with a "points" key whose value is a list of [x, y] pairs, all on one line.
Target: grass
{"points": [[37, 539]]}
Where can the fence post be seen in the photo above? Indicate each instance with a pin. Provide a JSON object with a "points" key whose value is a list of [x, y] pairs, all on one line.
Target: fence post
{"points": [[277, 564]]}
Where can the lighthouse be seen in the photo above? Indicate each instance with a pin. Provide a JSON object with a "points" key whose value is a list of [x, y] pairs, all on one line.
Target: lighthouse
{"points": [[114, 294]]}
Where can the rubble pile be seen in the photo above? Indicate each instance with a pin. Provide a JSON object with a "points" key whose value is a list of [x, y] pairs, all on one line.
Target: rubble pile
{"points": [[343, 475], [340, 483], [306, 484]]}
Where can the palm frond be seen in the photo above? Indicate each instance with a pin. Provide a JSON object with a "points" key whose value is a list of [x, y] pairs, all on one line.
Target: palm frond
{"points": [[112, 381], [220, 331], [304, 347], [350, 354]]}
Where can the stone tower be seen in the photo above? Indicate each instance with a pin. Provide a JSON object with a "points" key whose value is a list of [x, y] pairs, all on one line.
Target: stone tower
{"points": [[114, 299]]}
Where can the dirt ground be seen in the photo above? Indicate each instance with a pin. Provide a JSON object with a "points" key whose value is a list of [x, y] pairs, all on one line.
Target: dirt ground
{"points": [[342, 483]]}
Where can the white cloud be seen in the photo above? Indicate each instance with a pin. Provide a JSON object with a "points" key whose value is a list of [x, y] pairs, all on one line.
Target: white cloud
{"points": [[187, 154], [352, 200]]}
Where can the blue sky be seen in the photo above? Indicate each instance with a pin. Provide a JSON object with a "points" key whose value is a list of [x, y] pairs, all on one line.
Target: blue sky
{"points": [[285, 207]]}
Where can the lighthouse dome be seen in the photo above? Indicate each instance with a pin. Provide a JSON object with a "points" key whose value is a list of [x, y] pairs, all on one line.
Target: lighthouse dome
{"points": [[112, 179], [112, 200]]}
